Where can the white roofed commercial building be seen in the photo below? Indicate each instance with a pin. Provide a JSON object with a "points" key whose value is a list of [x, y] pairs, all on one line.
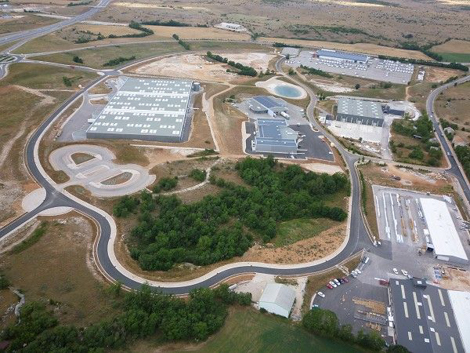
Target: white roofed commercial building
{"points": [[444, 236], [277, 299], [460, 302]]}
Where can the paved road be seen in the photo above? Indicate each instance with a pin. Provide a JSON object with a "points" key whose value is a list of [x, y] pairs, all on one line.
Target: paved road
{"points": [[22, 37], [455, 167], [358, 237]]}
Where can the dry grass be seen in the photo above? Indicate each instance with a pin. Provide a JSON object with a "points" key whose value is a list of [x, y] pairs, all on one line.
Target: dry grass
{"points": [[58, 267], [24, 22]]}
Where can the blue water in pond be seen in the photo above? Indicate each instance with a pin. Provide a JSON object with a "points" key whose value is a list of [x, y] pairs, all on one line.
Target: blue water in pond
{"points": [[288, 91]]}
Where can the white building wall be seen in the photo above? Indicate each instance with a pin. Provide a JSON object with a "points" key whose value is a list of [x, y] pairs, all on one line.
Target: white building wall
{"points": [[274, 309]]}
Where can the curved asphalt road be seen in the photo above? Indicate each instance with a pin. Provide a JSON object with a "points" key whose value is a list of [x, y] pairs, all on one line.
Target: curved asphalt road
{"points": [[455, 167], [358, 237], [23, 37]]}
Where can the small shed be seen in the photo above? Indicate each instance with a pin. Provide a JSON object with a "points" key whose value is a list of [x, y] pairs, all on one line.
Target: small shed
{"points": [[277, 299]]}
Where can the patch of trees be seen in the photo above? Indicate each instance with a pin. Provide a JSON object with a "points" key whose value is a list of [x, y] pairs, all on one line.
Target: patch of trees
{"points": [[463, 154], [170, 23], [282, 45], [125, 206], [242, 69], [222, 226], [81, 3], [198, 175], [318, 72], [77, 59], [325, 323], [143, 314], [165, 184], [185, 45], [455, 66], [4, 282], [120, 60], [422, 129], [144, 32]]}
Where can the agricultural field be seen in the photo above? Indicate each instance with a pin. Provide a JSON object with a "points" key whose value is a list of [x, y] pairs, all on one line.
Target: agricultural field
{"points": [[454, 50], [343, 21]]}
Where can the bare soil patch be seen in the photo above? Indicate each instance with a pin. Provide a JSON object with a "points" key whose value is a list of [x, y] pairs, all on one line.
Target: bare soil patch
{"points": [[81, 157]]}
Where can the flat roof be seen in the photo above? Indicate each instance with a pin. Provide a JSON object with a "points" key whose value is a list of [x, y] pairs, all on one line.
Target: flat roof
{"points": [[358, 107], [275, 132], [143, 107], [278, 294], [424, 318], [461, 303], [342, 55], [444, 235], [268, 102]]}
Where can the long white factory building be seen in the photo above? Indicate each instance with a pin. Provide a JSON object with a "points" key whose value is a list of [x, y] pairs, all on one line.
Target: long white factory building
{"points": [[444, 236]]}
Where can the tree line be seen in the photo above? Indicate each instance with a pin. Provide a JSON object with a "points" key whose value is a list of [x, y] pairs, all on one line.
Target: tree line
{"points": [[143, 314], [222, 226], [242, 69]]}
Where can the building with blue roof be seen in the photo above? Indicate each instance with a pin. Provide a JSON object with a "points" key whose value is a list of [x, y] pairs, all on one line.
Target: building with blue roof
{"points": [[267, 105]]}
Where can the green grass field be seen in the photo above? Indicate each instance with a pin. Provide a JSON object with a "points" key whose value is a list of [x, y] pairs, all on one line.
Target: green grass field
{"points": [[298, 229], [248, 331], [455, 57]]}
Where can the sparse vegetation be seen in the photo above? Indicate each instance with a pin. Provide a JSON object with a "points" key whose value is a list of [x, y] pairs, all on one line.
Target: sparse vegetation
{"points": [[31, 240], [120, 60], [242, 69]]}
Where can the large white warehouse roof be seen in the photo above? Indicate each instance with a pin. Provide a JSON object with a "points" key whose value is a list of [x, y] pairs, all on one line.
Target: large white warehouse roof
{"points": [[460, 302], [444, 236]]}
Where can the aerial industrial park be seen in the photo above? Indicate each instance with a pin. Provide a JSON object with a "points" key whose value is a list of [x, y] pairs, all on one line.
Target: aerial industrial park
{"points": [[209, 178]]}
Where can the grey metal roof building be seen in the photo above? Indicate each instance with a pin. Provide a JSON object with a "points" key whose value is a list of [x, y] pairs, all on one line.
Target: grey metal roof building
{"points": [[267, 105], [274, 136], [424, 317], [342, 55], [360, 112], [145, 109]]}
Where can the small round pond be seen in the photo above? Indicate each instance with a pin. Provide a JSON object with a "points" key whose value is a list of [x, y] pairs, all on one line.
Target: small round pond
{"points": [[288, 91]]}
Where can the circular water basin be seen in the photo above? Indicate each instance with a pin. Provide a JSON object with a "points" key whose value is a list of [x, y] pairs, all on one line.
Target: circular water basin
{"points": [[288, 91]]}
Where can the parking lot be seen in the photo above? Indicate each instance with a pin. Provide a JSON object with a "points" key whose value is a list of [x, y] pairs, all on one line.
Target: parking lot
{"points": [[375, 69], [362, 305]]}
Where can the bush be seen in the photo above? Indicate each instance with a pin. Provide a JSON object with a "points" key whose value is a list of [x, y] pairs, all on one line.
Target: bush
{"points": [[198, 175], [165, 184], [77, 59]]}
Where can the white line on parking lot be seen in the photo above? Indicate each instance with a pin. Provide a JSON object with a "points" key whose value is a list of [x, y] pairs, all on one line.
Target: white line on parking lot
{"points": [[454, 346], [438, 338], [431, 310], [418, 315], [447, 319], [405, 307], [441, 297], [387, 227], [378, 208]]}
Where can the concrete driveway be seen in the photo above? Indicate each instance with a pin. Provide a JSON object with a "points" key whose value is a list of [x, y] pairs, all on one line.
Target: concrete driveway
{"points": [[99, 174]]}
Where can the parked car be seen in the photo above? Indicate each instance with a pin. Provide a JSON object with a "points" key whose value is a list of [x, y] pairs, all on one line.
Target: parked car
{"points": [[321, 294], [329, 286], [333, 284], [353, 273], [315, 306], [405, 273], [336, 281], [395, 271], [345, 279]]}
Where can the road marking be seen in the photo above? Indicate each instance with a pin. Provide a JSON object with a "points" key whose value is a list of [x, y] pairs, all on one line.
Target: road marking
{"points": [[403, 292], [415, 298], [447, 319], [431, 309], [378, 208], [405, 307], [410, 337], [442, 298], [454, 346], [421, 331], [438, 338]]}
